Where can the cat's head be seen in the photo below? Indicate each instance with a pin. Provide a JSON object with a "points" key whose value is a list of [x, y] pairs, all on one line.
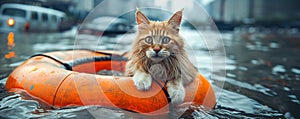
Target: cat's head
{"points": [[159, 40]]}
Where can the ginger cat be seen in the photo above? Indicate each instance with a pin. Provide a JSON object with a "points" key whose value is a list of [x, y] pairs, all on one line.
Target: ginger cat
{"points": [[158, 53]]}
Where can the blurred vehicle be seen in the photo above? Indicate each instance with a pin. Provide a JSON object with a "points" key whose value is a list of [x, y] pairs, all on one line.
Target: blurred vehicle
{"points": [[107, 26], [21, 17], [66, 24]]}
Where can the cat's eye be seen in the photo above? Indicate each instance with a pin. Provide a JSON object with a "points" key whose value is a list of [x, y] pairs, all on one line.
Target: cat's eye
{"points": [[165, 40], [148, 39]]}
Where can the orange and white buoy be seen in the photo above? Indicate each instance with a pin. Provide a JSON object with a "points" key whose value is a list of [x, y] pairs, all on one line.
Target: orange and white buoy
{"points": [[48, 78]]}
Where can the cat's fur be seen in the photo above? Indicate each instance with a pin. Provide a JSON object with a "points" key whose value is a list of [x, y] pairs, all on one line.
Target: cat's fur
{"points": [[158, 53]]}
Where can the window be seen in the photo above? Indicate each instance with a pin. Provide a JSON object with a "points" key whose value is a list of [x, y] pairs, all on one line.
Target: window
{"points": [[34, 16], [53, 18], [14, 12], [44, 17]]}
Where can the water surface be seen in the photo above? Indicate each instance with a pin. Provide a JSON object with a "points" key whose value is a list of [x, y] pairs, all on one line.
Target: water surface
{"points": [[262, 78]]}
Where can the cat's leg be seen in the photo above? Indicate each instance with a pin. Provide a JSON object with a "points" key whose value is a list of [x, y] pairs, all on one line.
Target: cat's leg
{"points": [[142, 80], [176, 91]]}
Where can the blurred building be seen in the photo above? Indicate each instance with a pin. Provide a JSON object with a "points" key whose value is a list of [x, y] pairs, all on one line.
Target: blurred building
{"points": [[248, 11], [222, 11], [118, 8], [114, 7], [229, 10], [30, 2]]}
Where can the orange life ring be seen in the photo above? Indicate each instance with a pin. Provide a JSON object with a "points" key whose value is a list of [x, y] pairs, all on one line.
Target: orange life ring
{"points": [[46, 79]]}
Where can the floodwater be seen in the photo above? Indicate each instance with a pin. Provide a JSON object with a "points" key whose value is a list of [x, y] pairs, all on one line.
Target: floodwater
{"points": [[262, 73]]}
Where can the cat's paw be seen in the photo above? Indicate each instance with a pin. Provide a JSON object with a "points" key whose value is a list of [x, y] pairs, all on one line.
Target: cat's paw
{"points": [[142, 80], [177, 94]]}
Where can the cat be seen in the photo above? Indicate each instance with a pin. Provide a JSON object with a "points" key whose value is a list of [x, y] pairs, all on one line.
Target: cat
{"points": [[158, 53]]}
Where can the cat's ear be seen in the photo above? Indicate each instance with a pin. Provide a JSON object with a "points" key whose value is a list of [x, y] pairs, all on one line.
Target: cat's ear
{"points": [[141, 18], [175, 20]]}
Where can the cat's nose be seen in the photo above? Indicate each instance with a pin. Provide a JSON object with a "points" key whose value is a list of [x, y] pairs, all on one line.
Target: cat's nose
{"points": [[156, 50]]}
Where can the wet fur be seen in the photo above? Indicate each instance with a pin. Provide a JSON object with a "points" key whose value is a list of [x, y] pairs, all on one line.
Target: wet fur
{"points": [[175, 68]]}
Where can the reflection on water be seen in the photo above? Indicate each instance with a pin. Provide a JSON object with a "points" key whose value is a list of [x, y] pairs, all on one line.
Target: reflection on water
{"points": [[10, 44], [9, 55], [263, 74], [10, 40]]}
